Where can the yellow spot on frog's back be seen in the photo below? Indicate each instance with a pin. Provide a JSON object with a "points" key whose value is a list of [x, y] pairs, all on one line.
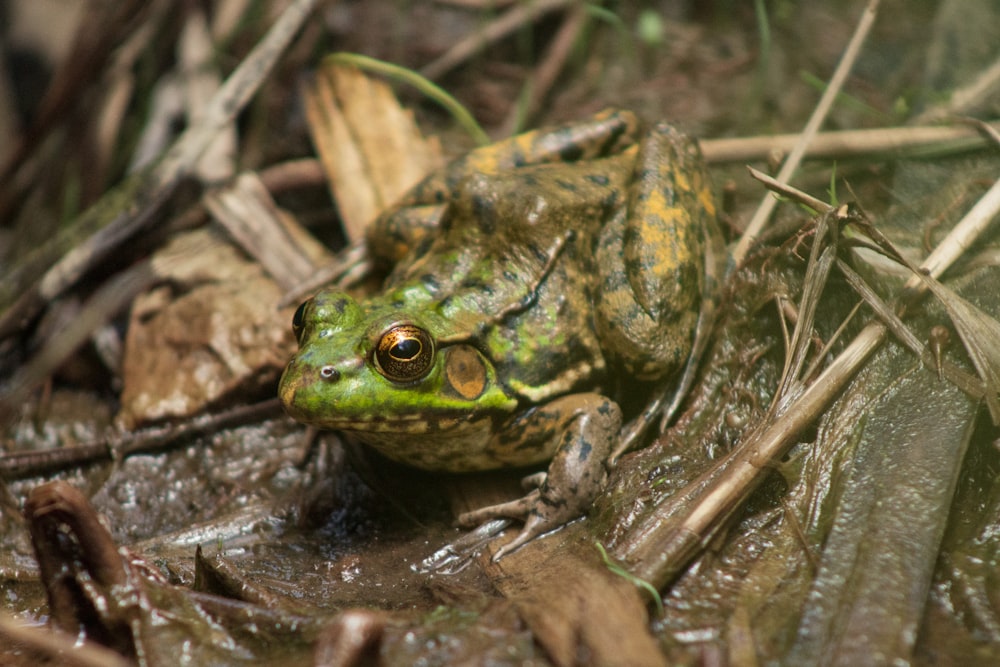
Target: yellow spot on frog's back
{"points": [[707, 201], [465, 372], [681, 181]]}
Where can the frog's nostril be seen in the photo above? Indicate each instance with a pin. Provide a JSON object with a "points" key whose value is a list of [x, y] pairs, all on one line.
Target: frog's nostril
{"points": [[329, 373]]}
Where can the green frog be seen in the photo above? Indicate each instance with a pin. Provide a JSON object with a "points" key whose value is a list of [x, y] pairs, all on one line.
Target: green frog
{"points": [[529, 278]]}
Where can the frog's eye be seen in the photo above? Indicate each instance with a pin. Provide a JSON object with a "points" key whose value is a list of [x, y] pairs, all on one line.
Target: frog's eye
{"points": [[298, 320], [404, 353]]}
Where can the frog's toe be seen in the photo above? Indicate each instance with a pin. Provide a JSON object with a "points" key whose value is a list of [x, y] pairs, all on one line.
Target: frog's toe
{"points": [[542, 518], [541, 514], [515, 509], [534, 526]]}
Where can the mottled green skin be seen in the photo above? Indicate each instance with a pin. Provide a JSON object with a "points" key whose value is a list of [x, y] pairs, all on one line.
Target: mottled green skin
{"points": [[559, 258]]}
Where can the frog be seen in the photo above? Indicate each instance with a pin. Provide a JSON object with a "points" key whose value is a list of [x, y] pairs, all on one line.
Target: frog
{"points": [[527, 280]]}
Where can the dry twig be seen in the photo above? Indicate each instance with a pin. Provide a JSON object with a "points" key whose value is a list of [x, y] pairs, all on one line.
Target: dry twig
{"points": [[767, 205], [514, 18], [893, 141]]}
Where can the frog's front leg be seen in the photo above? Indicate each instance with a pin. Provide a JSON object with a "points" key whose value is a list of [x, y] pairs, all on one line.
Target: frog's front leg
{"points": [[584, 428]]}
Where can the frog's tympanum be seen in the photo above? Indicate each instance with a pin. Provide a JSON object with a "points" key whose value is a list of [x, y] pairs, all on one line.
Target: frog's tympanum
{"points": [[565, 262]]}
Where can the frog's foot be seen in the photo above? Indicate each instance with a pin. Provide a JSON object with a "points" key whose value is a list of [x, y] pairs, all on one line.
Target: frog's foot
{"points": [[540, 513], [587, 426]]}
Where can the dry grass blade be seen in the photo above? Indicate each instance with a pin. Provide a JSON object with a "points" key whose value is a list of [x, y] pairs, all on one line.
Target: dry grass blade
{"points": [[989, 131], [201, 82], [962, 236], [821, 257], [767, 205], [120, 445], [794, 194], [545, 75], [971, 385], [980, 333]]}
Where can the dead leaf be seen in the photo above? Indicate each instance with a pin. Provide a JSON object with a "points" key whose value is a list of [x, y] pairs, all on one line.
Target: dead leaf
{"points": [[370, 147], [212, 328]]}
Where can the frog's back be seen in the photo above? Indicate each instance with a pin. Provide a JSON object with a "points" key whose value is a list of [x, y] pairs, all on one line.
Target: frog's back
{"points": [[515, 257], [500, 230]]}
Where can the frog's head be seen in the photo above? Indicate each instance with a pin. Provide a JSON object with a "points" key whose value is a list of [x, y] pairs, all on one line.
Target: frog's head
{"points": [[374, 367]]}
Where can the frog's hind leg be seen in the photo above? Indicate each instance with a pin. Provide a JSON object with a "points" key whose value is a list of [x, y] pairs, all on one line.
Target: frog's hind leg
{"points": [[651, 258], [658, 265], [586, 427]]}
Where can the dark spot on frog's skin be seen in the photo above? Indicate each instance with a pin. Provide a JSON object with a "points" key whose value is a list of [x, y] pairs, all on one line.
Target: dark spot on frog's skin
{"points": [[571, 152], [528, 445], [477, 285], [598, 179], [340, 305], [629, 235], [509, 276], [612, 140], [556, 502], [568, 186], [604, 408], [585, 449], [645, 174], [481, 205], [633, 266], [483, 211], [528, 179], [547, 415], [399, 304]]}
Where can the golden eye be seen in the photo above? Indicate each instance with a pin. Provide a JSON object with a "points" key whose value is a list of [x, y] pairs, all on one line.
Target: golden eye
{"points": [[404, 353]]}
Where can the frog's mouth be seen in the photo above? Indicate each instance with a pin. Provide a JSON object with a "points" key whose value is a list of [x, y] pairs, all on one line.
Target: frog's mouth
{"points": [[375, 424], [307, 408], [362, 424]]}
